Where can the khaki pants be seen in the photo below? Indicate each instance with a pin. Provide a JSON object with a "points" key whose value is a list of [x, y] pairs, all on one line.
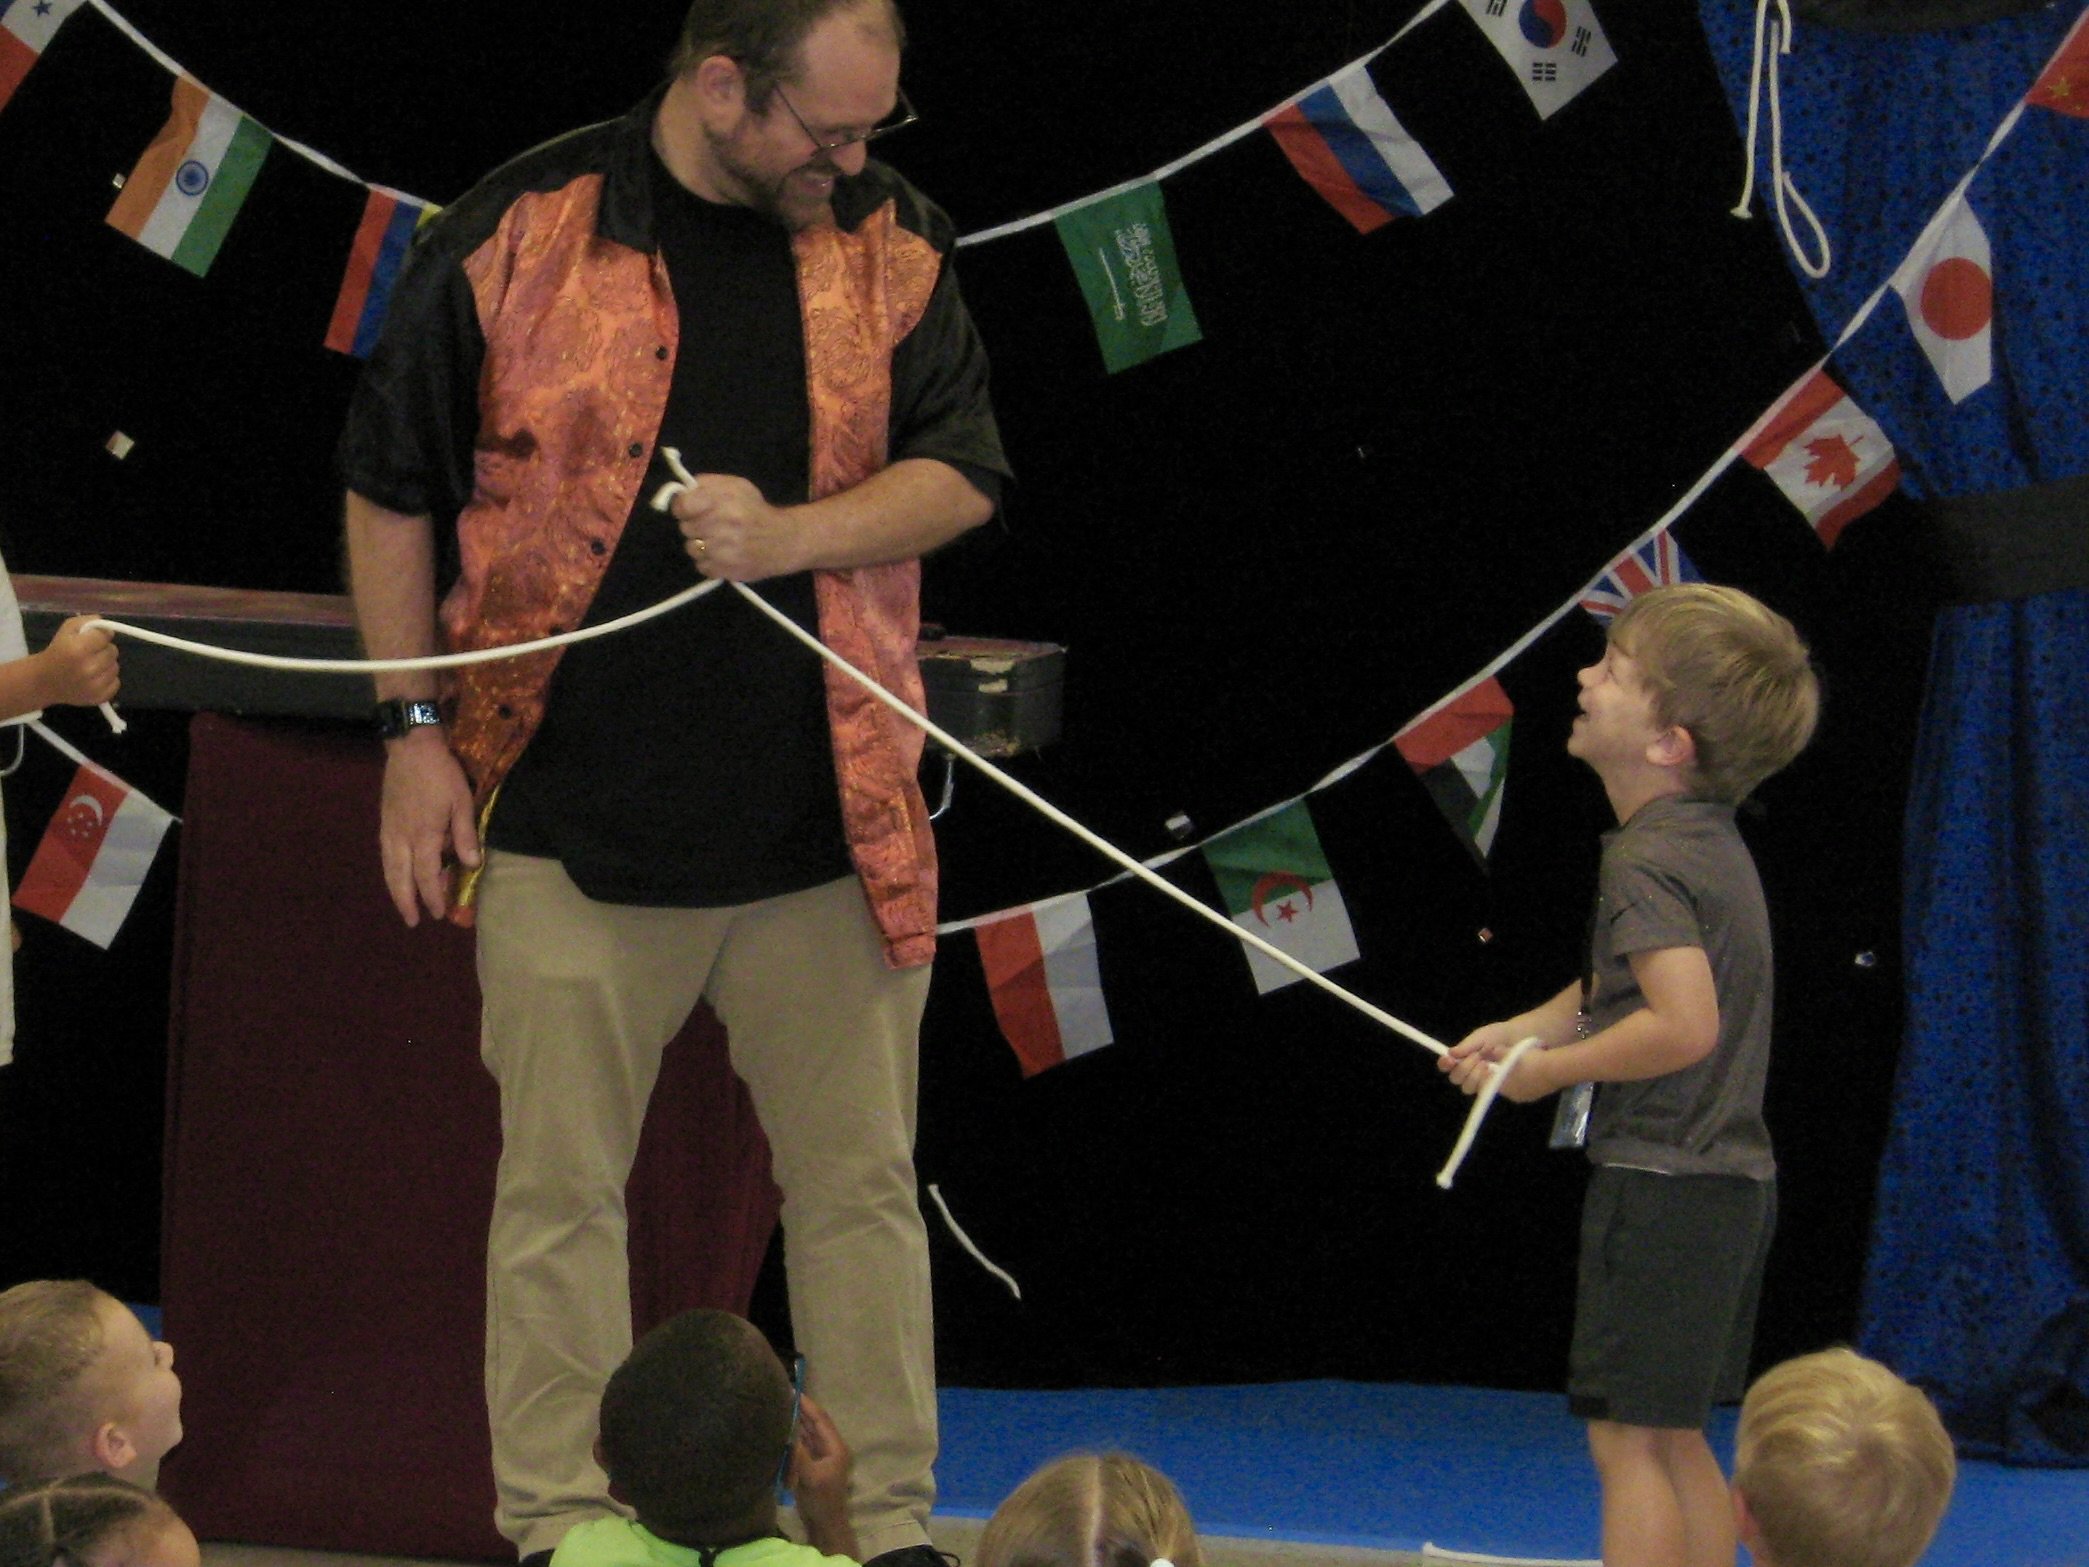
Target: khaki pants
{"points": [[580, 1000]]}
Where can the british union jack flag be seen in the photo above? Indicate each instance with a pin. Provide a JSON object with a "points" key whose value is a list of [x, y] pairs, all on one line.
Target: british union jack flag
{"points": [[1655, 564]]}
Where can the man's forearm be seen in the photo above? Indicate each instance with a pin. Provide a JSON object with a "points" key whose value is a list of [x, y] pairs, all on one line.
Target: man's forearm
{"points": [[899, 513], [391, 580]]}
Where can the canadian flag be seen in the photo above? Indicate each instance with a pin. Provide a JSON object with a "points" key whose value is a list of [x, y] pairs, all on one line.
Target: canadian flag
{"points": [[1828, 455], [86, 873], [1948, 286]]}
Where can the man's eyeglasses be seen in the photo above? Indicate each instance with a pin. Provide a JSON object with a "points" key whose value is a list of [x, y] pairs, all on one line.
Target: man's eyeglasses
{"points": [[901, 117]]}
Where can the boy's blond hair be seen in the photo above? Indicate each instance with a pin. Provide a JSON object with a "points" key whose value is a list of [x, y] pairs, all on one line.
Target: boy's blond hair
{"points": [[1731, 671], [1091, 1510], [50, 1336], [1841, 1463]]}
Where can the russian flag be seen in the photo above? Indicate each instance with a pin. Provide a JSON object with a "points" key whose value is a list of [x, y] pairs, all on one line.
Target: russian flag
{"points": [[373, 265], [1345, 142]]}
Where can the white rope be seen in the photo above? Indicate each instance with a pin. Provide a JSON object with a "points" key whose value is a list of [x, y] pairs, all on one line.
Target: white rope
{"points": [[1481, 1103], [965, 1241], [1784, 190]]}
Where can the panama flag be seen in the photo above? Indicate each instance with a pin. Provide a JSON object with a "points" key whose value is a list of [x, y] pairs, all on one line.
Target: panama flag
{"points": [[1658, 563], [380, 246], [179, 202], [1345, 143], [1046, 984], [87, 871], [1555, 47], [2064, 84], [1275, 882], [1948, 286], [1827, 455], [26, 28], [1461, 754]]}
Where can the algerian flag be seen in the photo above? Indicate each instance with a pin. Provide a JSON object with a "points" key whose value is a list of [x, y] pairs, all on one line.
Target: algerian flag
{"points": [[180, 200], [1124, 259], [1461, 754], [1275, 882]]}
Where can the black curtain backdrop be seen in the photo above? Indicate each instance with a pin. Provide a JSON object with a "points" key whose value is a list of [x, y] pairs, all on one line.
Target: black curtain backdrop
{"points": [[1389, 457]]}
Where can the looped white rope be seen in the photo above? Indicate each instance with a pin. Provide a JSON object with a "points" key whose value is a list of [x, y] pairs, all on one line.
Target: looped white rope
{"points": [[1782, 187], [662, 500], [1481, 1103]]}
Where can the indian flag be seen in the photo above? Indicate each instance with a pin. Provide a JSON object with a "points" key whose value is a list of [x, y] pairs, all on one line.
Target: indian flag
{"points": [[26, 30], [1276, 883], [180, 200]]}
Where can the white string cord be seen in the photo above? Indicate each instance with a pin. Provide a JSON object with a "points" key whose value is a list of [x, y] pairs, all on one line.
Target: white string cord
{"points": [[965, 1241], [1784, 190]]}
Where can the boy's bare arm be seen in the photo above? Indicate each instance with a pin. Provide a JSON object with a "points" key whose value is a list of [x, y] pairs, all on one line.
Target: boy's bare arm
{"points": [[1552, 1021], [1677, 1028], [77, 669]]}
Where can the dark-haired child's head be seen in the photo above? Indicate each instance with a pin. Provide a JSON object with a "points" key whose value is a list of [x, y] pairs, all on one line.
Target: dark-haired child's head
{"points": [[91, 1520], [1091, 1510], [694, 1427], [83, 1386]]}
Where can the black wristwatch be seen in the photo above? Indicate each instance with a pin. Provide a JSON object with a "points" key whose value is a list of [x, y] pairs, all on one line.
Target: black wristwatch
{"points": [[397, 717]]}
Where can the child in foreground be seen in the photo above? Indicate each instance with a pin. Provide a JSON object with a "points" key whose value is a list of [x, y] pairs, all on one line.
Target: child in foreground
{"points": [[698, 1424], [92, 1521], [78, 668], [83, 1387], [1701, 694], [1839, 1463], [1092, 1510]]}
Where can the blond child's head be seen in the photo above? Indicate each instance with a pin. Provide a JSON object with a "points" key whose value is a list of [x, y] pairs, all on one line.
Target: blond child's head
{"points": [[83, 1386], [1839, 1463], [1091, 1510], [92, 1520], [1730, 672]]}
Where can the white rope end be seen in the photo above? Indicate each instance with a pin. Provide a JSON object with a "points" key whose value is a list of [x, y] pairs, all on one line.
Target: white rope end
{"points": [[117, 725], [965, 1241], [1482, 1102]]}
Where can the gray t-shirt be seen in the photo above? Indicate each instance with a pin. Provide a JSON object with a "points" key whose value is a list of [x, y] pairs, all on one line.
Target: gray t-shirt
{"points": [[1678, 875]]}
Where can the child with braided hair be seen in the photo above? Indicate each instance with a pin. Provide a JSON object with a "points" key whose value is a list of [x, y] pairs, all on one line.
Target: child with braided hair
{"points": [[92, 1520]]}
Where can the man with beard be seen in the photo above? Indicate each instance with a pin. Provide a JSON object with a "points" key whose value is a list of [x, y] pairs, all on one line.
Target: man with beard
{"points": [[689, 808]]}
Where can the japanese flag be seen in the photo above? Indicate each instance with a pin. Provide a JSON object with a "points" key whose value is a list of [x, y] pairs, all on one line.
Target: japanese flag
{"points": [[86, 873], [1948, 286]]}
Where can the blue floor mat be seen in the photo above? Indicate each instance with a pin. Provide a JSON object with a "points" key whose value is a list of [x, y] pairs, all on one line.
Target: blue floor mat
{"points": [[1392, 1467]]}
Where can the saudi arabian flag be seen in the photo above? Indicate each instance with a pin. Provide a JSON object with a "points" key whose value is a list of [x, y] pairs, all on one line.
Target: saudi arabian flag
{"points": [[1124, 258], [179, 202], [1275, 882]]}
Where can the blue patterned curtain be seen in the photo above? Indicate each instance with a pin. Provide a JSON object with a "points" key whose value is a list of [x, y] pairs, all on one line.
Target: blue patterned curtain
{"points": [[1978, 1280]]}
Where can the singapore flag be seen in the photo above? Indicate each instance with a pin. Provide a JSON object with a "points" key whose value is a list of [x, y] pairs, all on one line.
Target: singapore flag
{"points": [[1948, 286], [87, 871]]}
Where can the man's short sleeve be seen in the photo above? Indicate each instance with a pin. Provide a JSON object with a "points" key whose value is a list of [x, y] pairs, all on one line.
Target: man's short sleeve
{"points": [[940, 407], [412, 423]]}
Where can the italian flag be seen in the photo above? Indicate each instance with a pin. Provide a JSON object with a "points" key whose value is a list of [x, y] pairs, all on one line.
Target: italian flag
{"points": [[86, 872], [179, 202], [1046, 984], [1276, 883]]}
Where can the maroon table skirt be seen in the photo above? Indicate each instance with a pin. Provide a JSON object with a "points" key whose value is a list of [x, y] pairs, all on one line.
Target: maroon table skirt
{"points": [[331, 1140]]}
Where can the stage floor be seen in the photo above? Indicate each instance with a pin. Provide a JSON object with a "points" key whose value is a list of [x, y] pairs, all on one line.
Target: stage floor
{"points": [[1394, 1468], [1372, 1475]]}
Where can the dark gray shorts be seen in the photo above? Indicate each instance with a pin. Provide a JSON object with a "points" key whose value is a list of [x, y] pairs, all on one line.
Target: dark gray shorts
{"points": [[1664, 1312]]}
